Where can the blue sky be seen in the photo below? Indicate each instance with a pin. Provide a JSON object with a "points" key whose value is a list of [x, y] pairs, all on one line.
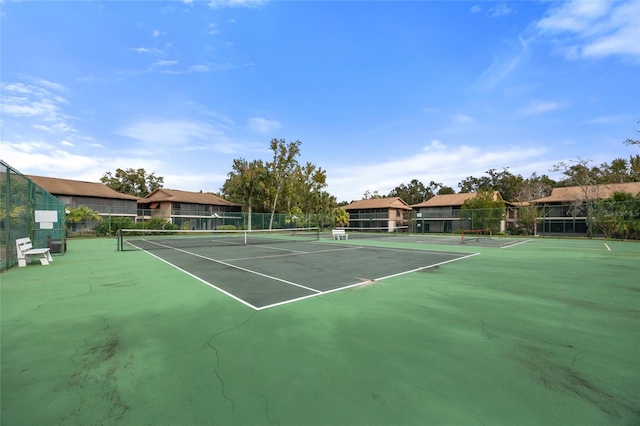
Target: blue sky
{"points": [[379, 92]]}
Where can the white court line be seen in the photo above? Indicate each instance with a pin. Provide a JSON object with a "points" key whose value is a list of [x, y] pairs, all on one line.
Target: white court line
{"points": [[315, 292], [333, 290], [235, 267], [516, 244], [293, 253], [196, 277]]}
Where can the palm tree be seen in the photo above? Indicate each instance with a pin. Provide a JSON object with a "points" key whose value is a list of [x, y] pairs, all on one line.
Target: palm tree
{"points": [[83, 214]]}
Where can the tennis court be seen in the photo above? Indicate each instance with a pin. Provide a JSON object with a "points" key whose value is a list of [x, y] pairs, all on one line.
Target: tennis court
{"points": [[278, 268], [542, 332]]}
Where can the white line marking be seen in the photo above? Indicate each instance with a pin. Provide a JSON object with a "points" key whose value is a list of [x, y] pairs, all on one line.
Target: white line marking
{"points": [[293, 253], [360, 283], [239, 268], [607, 246], [198, 278], [315, 292], [516, 244]]}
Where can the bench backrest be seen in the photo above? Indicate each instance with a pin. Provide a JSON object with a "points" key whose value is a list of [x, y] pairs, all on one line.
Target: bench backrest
{"points": [[338, 231], [23, 245]]}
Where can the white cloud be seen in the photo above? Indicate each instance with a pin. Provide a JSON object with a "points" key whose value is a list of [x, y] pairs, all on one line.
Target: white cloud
{"points": [[66, 143], [146, 50], [199, 68], [476, 8], [33, 102], [584, 29], [536, 108], [608, 119], [37, 157], [43, 128], [164, 63], [462, 118], [214, 4], [156, 33], [500, 9], [503, 65], [437, 162], [184, 134], [262, 125]]}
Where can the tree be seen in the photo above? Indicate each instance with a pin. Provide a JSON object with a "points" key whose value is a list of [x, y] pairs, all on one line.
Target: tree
{"points": [[527, 219], [621, 170], [340, 216], [472, 184], [580, 173], [483, 211], [618, 216], [84, 215], [446, 190], [534, 187], [416, 192], [368, 195], [506, 183], [246, 184], [305, 188], [111, 227], [633, 141], [413, 193], [280, 169], [133, 182]]}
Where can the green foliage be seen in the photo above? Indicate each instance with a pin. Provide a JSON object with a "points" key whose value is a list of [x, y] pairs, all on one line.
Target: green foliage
{"points": [[133, 182], [484, 211], [281, 169], [340, 217], [111, 227], [83, 215], [416, 192], [618, 216], [156, 223], [527, 220]]}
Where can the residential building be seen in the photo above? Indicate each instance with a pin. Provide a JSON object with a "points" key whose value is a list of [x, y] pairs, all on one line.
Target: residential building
{"points": [[190, 210], [96, 196], [441, 214], [391, 214], [564, 212]]}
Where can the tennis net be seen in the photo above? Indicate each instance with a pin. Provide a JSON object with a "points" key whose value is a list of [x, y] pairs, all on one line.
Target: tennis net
{"points": [[375, 232], [475, 235], [153, 239]]}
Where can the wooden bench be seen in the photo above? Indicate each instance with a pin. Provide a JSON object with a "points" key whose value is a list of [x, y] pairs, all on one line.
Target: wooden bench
{"points": [[339, 234], [26, 251]]}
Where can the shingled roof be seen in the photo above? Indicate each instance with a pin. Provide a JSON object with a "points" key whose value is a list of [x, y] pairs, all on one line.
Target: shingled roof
{"points": [[379, 203], [177, 196], [573, 193], [448, 200], [57, 186]]}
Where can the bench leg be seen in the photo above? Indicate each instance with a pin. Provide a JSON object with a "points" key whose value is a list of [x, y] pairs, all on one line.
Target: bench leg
{"points": [[22, 263], [44, 259]]}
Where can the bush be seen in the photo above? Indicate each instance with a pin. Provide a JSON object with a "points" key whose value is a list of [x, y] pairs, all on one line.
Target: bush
{"points": [[116, 223], [156, 223]]}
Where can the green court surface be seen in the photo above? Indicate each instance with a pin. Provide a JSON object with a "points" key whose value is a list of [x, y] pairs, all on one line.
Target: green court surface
{"points": [[534, 332]]}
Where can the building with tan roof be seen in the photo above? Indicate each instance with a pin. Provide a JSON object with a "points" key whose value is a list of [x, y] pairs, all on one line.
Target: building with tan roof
{"points": [[441, 213], [190, 210], [565, 211], [391, 214], [96, 196]]}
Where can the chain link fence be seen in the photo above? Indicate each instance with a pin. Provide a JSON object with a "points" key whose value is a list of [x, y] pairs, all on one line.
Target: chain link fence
{"points": [[27, 210]]}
